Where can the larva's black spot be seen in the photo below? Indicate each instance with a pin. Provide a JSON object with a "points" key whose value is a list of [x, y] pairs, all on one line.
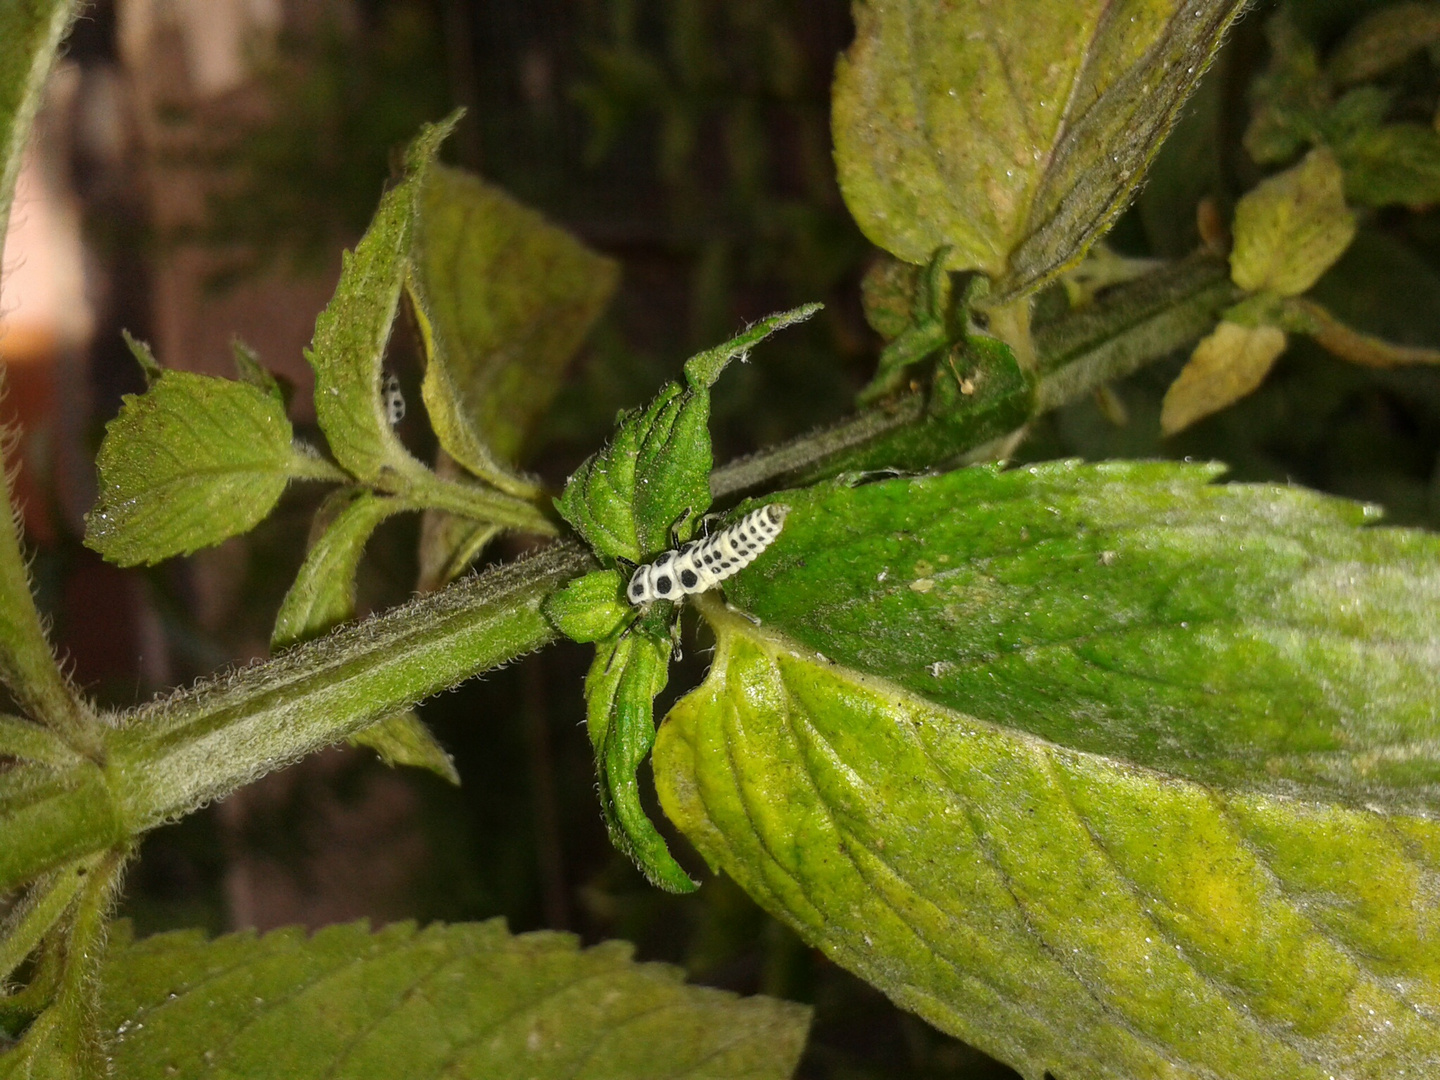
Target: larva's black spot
{"points": [[688, 578], [662, 585]]}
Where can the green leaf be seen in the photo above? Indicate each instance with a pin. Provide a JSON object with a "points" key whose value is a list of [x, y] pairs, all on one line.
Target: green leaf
{"points": [[144, 356], [1131, 609], [350, 334], [192, 461], [1107, 770], [1290, 97], [467, 1000], [448, 545], [30, 36], [1014, 133], [252, 371], [1292, 227], [51, 816], [65, 1041], [625, 677], [590, 608], [504, 300], [27, 665], [403, 739], [653, 477]]}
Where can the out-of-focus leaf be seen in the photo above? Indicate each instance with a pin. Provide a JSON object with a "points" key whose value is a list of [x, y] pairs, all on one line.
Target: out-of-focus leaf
{"points": [[1014, 133], [1393, 164], [466, 1000], [192, 461], [350, 334], [505, 299], [654, 474], [1305, 316], [448, 545], [1383, 40], [1289, 97], [1292, 227], [1108, 770], [1229, 363], [888, 294]]}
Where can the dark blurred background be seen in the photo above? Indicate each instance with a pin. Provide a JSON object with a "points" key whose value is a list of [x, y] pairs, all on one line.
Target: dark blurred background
{"points": [[197, 170]]}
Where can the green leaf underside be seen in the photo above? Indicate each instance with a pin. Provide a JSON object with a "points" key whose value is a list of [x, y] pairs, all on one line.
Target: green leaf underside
{"points": [[403, 739], [350, 334], [1014, 133], [189, 463], [323, 593], [1064, 911], [625, 677], [654, 474], [1233, 634], [506, 299], [457, 1001]]}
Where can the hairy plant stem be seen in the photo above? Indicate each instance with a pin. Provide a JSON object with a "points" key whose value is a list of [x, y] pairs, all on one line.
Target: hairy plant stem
{"points": [[1126, 328], [166, 758]]}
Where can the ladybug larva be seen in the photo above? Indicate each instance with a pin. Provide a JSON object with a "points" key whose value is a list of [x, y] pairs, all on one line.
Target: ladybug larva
{"points": [[392, 398], [703, 564]]}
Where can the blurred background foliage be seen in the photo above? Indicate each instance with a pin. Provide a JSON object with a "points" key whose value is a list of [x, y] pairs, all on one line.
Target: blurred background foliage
{"points": [[689, 140]]}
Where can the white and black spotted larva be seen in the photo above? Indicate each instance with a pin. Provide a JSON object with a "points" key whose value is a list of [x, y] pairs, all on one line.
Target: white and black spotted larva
{"points": [[703, 564], [392, 398]]}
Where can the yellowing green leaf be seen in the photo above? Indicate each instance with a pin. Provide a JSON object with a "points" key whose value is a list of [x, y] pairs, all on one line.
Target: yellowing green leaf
{"points": [[505, 299], [458, 1001], [1292, 227], [1109, 770], [192, 461], [1066, 912], [1230, 362], [1013, 132]]}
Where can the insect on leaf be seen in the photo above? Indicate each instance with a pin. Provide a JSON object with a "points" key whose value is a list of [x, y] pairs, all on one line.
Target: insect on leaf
{"points": [[1108, 770]]}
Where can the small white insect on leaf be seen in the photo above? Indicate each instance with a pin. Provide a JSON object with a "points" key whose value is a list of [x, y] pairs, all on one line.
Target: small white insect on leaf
{"points": [[702, 564]]}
